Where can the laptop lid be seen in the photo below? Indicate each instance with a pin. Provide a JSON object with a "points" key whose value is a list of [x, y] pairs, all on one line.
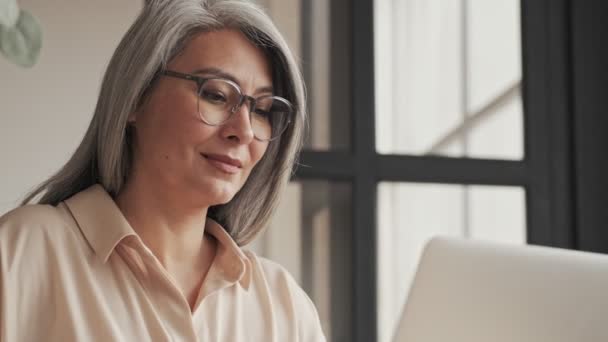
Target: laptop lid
{"points": [[469, 291]]}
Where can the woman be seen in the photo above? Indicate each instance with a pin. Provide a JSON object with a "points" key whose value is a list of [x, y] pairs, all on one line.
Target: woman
{"points": [[137, 237]]}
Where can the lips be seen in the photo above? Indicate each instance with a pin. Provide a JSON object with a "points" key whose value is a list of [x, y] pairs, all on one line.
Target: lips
{"points": [[223, 163]]}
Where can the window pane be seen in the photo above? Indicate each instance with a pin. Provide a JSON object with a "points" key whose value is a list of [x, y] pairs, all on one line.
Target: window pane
{"points": [[321, 45], [411, 213], [448, 77], [310, 236]]}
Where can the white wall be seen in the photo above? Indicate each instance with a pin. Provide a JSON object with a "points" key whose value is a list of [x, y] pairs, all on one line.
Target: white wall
{"points": [[45, 110]]}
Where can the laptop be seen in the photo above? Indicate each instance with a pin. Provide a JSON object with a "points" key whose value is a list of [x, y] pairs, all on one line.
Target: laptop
{"points": [[468, 291]]}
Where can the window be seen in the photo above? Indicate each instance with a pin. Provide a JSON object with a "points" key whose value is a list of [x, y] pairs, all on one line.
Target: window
{"points": [[447, 83], [427, 117]]}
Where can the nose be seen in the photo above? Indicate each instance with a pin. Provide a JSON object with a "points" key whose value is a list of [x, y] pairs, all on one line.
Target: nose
{"points": [[238, 127]]}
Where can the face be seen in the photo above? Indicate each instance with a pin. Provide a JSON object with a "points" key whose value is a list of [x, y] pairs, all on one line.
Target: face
{"points": [[175, 149]]}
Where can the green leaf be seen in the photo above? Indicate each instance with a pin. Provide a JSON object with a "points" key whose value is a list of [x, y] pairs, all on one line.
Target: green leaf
{"points": [[21, 43], [9, 13]]}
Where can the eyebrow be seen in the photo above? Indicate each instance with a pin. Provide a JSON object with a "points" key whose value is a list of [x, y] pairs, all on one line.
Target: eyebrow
{"points": [[220, 73]]}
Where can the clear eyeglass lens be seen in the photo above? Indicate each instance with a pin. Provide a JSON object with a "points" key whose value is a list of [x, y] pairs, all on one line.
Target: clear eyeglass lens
{"points": [[218, 99], [271, 116]]}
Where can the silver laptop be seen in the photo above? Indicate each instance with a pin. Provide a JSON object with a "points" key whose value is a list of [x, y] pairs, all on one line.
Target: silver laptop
{"points": [[466, 291]]}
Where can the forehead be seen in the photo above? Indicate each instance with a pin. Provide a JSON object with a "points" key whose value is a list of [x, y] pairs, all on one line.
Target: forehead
{"points": [[229, 51]]}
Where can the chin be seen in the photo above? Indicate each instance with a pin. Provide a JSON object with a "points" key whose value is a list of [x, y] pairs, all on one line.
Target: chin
{"points": [[216, 195], [224, 200]]}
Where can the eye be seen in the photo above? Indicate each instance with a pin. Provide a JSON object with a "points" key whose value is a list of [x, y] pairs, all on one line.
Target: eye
{"points": [[265, 107], [262, 112], [213, 96]]}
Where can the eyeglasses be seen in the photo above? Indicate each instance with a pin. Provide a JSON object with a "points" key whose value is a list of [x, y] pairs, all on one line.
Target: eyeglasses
{"points": [[219, 98]]}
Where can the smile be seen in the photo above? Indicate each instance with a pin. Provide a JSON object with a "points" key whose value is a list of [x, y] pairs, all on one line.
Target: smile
{"points": [[223, 163]]}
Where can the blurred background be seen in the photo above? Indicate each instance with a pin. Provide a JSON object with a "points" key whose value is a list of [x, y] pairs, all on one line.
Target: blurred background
{"points": [[475, 118]]}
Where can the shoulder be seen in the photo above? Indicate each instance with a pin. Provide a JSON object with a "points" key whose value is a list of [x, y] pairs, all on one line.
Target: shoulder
{"points": [[272, 270], [33, 229], [290, 296], [31, 219], [276, 276], [30, 214]]}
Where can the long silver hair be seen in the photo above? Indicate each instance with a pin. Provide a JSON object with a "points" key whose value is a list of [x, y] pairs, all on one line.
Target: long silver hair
{"points": [[160, 32]]}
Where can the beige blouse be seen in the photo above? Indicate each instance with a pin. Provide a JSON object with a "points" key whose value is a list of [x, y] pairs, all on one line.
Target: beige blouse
{"points": [[78, 272]]}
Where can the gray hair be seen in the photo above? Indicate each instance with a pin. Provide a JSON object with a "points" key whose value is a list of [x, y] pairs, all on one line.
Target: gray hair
{"points": [[160, 32]]}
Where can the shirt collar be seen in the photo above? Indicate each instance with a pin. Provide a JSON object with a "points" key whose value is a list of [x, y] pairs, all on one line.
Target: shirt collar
{"points": [[99, 219], [104, 227], [229, 257]]}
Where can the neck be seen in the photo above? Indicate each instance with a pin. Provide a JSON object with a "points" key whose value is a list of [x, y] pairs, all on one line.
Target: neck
{"points": [[171, 229]]}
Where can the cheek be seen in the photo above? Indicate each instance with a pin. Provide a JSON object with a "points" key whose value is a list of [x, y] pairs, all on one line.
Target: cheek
{"points": [[167, 143], [257, 151], [168, 127], [170, 115], [160, 139]]}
